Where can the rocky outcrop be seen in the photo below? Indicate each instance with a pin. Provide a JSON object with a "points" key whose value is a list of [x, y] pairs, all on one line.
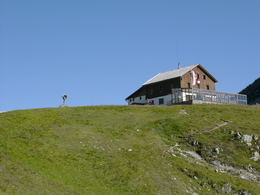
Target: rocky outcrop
{"points": [[256, 156], [242, 192], [183, 112], [63, 105], [253, 92], [226, 188], [247, 139]]}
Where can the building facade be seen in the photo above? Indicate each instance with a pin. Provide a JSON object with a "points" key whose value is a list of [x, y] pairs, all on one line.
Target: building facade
{"points": [[163, 87]]}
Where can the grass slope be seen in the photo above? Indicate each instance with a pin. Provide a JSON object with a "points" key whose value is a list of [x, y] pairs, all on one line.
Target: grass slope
{"points": [[124, 149]]}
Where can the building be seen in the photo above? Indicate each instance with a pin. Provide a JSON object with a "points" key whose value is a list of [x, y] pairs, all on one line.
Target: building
{"points": [[188, 85]]}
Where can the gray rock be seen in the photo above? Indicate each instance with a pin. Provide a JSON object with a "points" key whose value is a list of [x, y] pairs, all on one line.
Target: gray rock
{"points": [[226, 188], [215, 150], [183, 112], [255, 137], [213, 185], [238, 135], [248, 167], [247, 139], [195, 143], [63, 105], [243, 192], [256, 156]]}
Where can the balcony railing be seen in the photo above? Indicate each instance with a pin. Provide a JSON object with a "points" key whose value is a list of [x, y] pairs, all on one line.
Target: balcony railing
{"points": [[196, 96]]}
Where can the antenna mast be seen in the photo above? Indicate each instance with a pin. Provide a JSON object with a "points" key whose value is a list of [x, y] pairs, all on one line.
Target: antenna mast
{"points": [[179, 64]]}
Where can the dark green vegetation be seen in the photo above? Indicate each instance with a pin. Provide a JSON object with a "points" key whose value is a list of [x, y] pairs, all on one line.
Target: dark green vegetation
{"points": [[126, 149]]}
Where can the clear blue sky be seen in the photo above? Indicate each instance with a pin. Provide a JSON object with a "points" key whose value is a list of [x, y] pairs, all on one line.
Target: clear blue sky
{"points": [[100, 51]]}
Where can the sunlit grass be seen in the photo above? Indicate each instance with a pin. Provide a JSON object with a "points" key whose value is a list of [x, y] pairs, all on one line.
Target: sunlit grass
{"points": [[120, 149]]}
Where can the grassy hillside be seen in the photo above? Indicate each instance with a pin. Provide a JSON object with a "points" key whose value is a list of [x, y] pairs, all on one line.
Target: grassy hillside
{"points": [[129, 150]]}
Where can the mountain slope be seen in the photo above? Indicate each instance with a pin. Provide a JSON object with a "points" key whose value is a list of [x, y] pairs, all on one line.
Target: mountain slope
{"points": [[253, 92], [192, 149]]}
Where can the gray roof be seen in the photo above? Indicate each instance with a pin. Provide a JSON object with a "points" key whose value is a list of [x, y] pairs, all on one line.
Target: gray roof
{"points": [[173, 74], [170, 74]]}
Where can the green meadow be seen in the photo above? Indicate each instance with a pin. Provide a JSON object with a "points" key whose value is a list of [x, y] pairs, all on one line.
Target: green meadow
{"points": [[127, 150]]}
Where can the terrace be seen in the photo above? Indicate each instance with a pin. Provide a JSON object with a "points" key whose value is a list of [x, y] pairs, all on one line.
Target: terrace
{"points": [[199, 96]]}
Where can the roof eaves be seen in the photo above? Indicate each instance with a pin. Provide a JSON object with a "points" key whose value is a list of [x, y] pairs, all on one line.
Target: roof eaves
{"points": [[134, 93], [210, 75]]}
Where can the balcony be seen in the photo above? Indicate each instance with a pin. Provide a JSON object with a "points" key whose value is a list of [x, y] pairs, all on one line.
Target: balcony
{"points": [[199, 96]]}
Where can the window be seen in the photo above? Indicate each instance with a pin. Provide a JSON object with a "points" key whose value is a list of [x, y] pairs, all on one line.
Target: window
{"points": [[151, 91], [160, 89], [198, 86], [204, 77], [140, 97], [188, 97], [207, 87], [161, 101], [188, 85]]}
